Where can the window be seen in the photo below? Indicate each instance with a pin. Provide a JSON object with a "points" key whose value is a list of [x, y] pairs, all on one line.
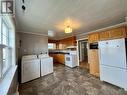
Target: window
{"points": [[5, 34], [51, 46], [5, 52]]}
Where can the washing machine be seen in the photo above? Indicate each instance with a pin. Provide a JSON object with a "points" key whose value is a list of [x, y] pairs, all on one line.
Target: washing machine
{"points": [[46, 64], [30, 68]]}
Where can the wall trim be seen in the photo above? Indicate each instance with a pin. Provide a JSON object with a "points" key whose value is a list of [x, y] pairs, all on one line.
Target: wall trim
{"points": [[98, 30], [86, 38], [32, 33], [17, 92], [104, 29], [66, 37]]}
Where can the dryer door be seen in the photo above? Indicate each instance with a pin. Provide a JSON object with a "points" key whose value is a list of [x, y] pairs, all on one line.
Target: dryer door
{"points": [[30, 70]]}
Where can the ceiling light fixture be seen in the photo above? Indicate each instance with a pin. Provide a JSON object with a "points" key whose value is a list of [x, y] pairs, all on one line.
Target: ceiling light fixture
{"points": [[68, 29]]}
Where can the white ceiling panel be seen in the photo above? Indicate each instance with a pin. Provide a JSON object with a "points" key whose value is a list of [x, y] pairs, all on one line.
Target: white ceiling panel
{"points": [[85, 15]]}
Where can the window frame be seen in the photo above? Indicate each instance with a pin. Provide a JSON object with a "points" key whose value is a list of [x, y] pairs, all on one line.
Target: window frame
{"points": [[54, 46], [7, 48], [4, 22]]}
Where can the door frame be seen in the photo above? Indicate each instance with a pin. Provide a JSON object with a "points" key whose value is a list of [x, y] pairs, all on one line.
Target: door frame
{"points": [[78, 48]]}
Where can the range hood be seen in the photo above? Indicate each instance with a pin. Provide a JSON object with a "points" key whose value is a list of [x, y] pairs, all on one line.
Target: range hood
{"points": [[71, 47]]}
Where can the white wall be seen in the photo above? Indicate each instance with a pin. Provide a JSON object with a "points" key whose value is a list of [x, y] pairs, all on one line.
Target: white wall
{"points": [[32, 44]]}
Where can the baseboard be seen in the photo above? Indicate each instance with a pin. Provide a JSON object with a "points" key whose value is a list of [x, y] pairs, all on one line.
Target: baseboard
{"points": [[17, 92]]}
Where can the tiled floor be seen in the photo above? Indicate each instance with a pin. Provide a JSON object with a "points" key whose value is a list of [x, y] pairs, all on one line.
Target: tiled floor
{"points": [[67, 81], [84, 64]]}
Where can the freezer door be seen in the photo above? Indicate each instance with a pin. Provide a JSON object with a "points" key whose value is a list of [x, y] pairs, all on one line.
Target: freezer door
{"points": [[113, 53], [114, 76]]}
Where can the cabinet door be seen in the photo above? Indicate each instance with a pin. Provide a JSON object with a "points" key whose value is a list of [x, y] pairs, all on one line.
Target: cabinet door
{"points": [[93, 60], [118, 32], [61, 58], [104, 35], [126, 30], [94, 37], [55, 58]]}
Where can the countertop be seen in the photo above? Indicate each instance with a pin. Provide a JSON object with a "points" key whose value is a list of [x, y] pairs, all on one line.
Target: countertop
{"points": [[58, 53]]}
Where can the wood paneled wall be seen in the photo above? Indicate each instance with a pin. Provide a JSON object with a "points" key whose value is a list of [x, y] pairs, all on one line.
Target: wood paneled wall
{"points": [[119, 32], [52, 41], [93, 58], [32, 44], [58, 58], [63, 43]]}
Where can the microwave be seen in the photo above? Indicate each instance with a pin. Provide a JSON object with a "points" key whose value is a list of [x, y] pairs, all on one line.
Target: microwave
{"points": [[93, 45]]}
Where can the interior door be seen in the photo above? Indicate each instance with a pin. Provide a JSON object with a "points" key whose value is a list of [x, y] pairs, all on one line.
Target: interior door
{"points": [[113, 53]]}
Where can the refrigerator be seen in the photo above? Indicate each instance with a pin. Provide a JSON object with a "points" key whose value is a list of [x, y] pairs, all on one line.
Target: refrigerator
{"points": [[113, 62]]}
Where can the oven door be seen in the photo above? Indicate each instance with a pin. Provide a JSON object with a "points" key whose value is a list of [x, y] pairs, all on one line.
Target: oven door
{"points": [[68, 60]]}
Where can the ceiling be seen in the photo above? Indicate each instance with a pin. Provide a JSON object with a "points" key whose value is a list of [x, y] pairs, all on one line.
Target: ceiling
{"points": [[42, 16]]}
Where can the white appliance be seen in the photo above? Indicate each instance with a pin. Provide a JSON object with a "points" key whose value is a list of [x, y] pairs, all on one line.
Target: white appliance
{"points": [[113, 62], [46, 64], [71, 47], [30, 68], [71, 59]]}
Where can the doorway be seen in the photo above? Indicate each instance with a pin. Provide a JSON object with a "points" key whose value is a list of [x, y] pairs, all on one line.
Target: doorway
{"points": [[83, 54]]}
